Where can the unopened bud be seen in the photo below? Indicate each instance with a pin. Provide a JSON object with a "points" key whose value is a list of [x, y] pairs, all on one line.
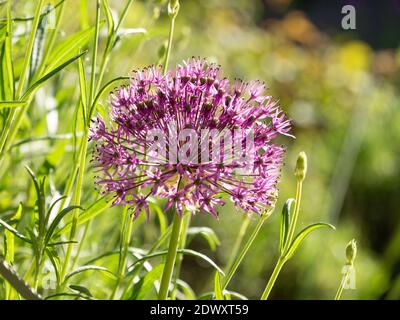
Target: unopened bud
{"points": [[351, 252], [173, 8], [301, 166]]}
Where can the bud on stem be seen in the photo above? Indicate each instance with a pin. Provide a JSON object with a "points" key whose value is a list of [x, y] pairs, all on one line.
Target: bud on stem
{"points": [[173, 8], [351, 252], [301, 166]]}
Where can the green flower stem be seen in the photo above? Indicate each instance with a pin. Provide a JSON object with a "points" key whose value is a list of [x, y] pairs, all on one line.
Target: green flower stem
{"points": [[171, 257], [296, 210], [126, 232], [282, 260], [273, 278], [77, 197], [344, 280], [242, 231], [246, 248], [182, 245], [111, 43], [341, 286], [169, 46]]}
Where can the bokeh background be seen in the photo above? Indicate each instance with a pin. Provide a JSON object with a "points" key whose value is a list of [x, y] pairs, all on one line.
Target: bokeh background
{"points": [[340, 87]]}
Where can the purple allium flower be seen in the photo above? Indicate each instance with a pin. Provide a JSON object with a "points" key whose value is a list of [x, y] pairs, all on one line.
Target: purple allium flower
{"points": [[193, 97]]}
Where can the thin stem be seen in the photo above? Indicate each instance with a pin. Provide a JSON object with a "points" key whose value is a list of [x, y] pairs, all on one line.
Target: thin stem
{"points": [[246, 248], [80, 245], [341, 286], [78, 190], [273, 278], [242, 231], [110, 44], [182, 245], [169, 45], [293, 223], [94, 55], [171, 257], [125, 238]]}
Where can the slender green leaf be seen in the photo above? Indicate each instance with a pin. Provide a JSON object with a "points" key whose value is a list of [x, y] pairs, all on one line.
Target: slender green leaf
{"points": [[66, 49], [66, 294], [181, 251], [302, 235], [187, 291], [161, 217], [90, 268], [81, 289], [106, 87], [55, 261], [208, 234], [51, 73], [110, 20], [217, 287], [57, 220], [38, 45], [285, 223], [145, 284], [82, 86], [14, 231], [92, 211]]}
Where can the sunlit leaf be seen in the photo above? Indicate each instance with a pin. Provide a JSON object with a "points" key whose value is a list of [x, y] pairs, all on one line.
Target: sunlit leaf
{"points": [[302, 235], [208, 234], [90, 268], [218, 295], [145, 284], [285, 223], [81, 289]]}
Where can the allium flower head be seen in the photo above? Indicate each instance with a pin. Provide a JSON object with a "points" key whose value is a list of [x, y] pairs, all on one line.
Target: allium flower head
{"points": [[141, 152]]}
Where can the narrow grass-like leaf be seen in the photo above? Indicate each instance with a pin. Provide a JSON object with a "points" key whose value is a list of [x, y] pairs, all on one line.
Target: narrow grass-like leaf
{"points": [[38, 45], [90, 268], [55, 261], [186, 289], [181, 251], [50, 74], [39, 187], [14, 231], [69, 47], [217, 287], [161, 217], [208, 234], [302, 235], [83, 90], [81, 289], [92, 211], [57, 220], [145, 284], [66, 294], [12, 104], [110, 20], [102, 91], [8, 59], [285, 223]]}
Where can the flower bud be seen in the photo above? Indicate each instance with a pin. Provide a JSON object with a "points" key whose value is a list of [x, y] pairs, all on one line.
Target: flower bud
{"points": [[351, 252], [173, 8], [301, 166]]}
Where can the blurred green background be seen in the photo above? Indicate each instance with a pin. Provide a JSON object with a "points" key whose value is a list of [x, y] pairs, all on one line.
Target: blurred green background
{"points": [[340, 87]]}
